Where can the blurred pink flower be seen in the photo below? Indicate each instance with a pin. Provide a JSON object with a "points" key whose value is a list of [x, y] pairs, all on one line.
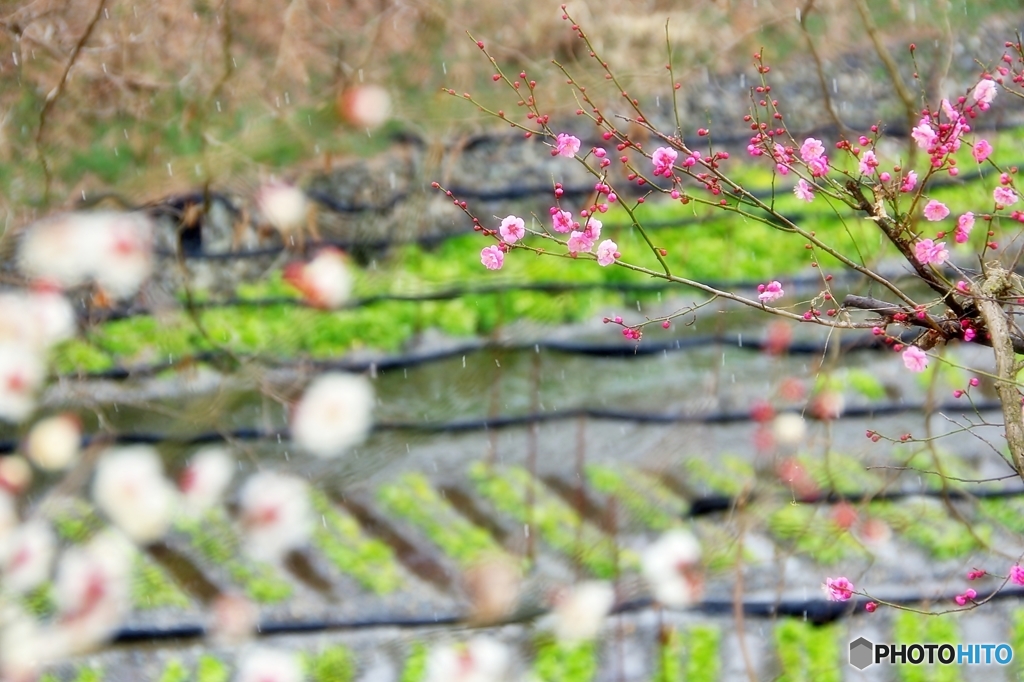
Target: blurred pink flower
{"points": [[982, 150], [1004, 196], [931, 252], [770, 292], [964, 225], [566, 145], [984, 92], [663, 159], [607, 252], [915, 359], [512, 229], [561, 220], [804, 190]]}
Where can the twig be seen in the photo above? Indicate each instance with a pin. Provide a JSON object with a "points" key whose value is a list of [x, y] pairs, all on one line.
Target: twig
{"points": [[51, 98]]}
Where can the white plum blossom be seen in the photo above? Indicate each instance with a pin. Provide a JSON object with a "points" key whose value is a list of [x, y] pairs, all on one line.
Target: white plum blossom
{"points": [[333, 414], [113, 249], [266, 664], [130, 487], [204, 479], [275, 515], [15, 474], [54, 442], [36, 318], [481, 659], [325, 281], [789, 428], [26, 556], [580, 611], [284, 206], [92, 590], [671, 567], [366, 106], [21, 375]]}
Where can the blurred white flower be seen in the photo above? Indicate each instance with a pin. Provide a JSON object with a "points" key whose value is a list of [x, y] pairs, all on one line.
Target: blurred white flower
{"points": [[264, 664], [325, 281], [15, 474], [275, 515], [54, 442], [580, 611], [365, 106], [25, 646], [493, 588], [205, 479], [35, 318], [21, 375], [233, 618], [130, 487], [124, 253], [284, 206], [481, 659], [8, 514], [113, 249], [26, 556], [671, 566], [333, 414], [789, 428], [92, 590]]}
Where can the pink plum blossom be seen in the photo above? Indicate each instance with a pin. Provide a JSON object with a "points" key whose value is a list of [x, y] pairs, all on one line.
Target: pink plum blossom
{"points": [[512, 229], [492, 257], [671, 567], [663, 158], [931, 252], [1004, 196], [868, 163], [811, 149], [982, 150], [915, 359], [334, 413], [923, 134], [984, 92], [592, 230], [1017, 574], [566, 145], [818, 167], [770, 292], [579, 242], [909, 182], [964, 225], [935, 210], [561, 220], [804, 190], [838, 589], [967, 596], [607, 252]]}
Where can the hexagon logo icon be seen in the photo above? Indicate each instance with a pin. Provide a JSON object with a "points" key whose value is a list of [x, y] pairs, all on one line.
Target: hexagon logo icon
{"points": [[861, 653]]}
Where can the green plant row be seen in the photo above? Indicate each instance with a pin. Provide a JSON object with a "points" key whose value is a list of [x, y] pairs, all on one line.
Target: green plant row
{"points": [[915, 627], [413, 499], [729, 475], [646, 498], [691, 654], [213, 537], [808, 653], [555, 521], [370, 561], [560, 662]]}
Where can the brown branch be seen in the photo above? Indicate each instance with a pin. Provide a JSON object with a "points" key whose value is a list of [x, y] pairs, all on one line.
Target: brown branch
{"points": [[51, 97], [906, 97], [949, 328], [820, 70], [996, 283]]}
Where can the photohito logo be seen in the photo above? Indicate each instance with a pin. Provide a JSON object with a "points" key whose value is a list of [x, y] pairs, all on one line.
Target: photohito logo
{"points": [[864, 653]]}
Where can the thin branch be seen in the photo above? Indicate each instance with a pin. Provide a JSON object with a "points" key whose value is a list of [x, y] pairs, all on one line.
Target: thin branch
{"points": [[51, 98]]}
